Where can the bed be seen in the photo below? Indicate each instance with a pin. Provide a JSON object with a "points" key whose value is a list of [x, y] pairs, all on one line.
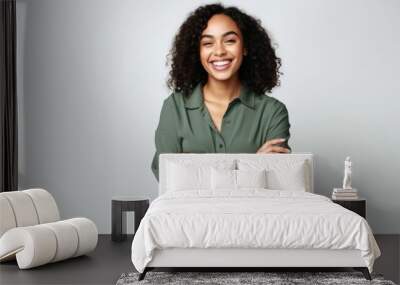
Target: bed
{"points": [[245, 211]]}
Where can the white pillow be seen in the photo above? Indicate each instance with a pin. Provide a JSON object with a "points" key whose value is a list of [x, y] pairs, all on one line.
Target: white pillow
{"points": [[237, 179], [251, 178], [223, 179], [281, 174], [185, 175]]}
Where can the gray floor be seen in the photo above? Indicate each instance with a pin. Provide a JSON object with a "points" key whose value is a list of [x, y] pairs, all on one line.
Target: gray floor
{"points": [[102, 266], [110, 259]]}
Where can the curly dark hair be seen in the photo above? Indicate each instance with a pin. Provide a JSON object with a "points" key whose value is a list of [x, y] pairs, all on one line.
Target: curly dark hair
{"points": [[259, 69]]}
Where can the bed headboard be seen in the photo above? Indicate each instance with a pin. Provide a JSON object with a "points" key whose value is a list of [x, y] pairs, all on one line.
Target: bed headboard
{"points": [[165, 158]]}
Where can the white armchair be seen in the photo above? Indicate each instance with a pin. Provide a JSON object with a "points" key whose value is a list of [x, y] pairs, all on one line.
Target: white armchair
{"points": [[32, 233]]}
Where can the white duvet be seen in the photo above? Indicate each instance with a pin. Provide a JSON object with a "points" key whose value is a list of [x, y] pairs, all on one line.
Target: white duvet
{"points": [[250, 218]]}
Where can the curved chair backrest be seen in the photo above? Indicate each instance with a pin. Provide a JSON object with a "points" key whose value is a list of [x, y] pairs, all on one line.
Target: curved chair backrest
{"points": [[26, 208]]}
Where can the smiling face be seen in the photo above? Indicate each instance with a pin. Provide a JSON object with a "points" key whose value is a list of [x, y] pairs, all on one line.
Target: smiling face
{"points": [[221, 48]]}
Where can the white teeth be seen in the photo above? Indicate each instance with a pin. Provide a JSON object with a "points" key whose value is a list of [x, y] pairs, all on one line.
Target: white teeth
{"points": [[220, 63]]}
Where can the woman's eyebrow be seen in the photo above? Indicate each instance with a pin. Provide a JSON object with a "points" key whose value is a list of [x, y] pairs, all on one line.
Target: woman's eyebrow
{"points": [[224, 35]]}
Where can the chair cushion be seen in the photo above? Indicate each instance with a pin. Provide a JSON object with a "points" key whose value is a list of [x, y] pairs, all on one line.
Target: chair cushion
{"points": [[45, 205], [7, 215], [23, 208], [27, 208], [40, 244]]}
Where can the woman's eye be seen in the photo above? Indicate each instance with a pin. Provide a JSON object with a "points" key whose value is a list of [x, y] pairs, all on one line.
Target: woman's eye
{"points": [[227, 41]]}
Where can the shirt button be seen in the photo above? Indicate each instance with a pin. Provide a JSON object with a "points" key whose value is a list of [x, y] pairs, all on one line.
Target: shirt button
{"points": [[221, 145]]}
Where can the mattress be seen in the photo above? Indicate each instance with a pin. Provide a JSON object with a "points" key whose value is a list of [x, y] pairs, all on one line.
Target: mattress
{"points": [[251, 219]]}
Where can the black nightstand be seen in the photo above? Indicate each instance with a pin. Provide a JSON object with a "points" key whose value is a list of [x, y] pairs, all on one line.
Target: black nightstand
{"points": [[358, 206], [120, 205]]}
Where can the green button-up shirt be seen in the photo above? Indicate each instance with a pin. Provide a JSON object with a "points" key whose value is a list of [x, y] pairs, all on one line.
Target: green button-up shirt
{"points": [[249, 121]]}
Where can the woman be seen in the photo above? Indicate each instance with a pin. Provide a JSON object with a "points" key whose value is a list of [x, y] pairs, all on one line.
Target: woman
{"points": [[222, 65]]}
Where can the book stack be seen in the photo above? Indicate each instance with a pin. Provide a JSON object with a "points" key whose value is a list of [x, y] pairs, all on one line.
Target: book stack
{"points": [[344, 194]]}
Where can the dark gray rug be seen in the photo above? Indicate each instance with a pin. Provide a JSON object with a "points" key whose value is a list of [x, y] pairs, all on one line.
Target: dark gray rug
{"points": [[270, 278]]}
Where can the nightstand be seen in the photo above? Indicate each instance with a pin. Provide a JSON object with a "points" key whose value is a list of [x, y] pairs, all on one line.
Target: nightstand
{"points": [[358, 206], [119, 206]]}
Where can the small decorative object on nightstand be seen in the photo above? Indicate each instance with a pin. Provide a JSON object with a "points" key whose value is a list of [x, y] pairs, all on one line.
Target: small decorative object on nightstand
{"points": [[358, 205], [347, 174], [120, 205], [347, 192]]}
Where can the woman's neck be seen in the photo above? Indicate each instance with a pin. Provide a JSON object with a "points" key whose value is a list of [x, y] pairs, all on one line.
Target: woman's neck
{"points": [[221, 91]]}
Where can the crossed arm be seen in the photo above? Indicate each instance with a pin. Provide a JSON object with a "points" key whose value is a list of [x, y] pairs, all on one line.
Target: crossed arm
{"points": [[278, 134], [168, 141]]}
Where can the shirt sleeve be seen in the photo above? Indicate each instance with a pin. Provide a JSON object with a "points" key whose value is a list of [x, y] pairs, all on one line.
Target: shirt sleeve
{"points": [[166, 134], [279, 126]]}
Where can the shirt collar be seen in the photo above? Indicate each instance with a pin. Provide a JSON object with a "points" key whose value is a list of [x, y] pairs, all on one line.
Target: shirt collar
{"points": [[195, 100]]}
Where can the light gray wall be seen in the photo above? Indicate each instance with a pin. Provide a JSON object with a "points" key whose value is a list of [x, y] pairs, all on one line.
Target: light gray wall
{"points": [[92, 80]]}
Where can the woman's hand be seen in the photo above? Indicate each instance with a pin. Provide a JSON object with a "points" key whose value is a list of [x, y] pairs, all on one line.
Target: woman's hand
{"points": [[271, 147]]}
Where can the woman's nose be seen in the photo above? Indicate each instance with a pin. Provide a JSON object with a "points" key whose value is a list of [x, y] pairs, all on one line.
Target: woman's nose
{"points": [[219, 49]]}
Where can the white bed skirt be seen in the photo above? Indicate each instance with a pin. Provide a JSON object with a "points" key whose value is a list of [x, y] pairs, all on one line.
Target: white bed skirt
{"points": [[236, 257]]}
